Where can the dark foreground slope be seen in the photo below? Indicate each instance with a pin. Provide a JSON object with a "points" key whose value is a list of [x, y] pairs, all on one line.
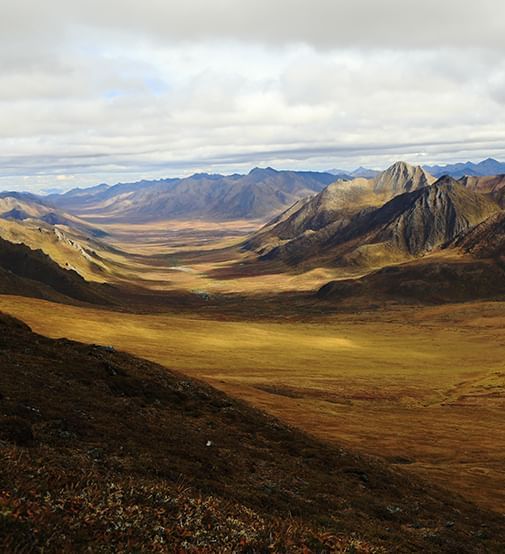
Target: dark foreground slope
{"points": [[103, 452]]}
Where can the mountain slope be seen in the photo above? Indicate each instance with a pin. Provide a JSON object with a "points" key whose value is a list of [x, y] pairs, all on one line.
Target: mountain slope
{"points": [[257, 195], [68, 240], [125, 455], [493, 185], [27, 207], [422, 281], [336, 203], [423, 220], [68, 247], [486, 240], [410, 224]]}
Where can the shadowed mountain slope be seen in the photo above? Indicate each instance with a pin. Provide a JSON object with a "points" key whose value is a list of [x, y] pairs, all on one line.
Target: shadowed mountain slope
{"points": [[68, 247], [336, 203], [29, 272], [427, 218], [486, 240], [423, 281], [125, 455], [257, 195]]}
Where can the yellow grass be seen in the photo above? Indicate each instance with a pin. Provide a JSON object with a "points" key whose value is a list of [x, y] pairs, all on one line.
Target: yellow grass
{"points": [[427, 386]]}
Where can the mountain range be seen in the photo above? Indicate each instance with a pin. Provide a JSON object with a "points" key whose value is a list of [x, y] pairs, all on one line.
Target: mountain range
{"points": [[484, 168], [258, 195], [16, 206], [302, 232], [410, 236]]}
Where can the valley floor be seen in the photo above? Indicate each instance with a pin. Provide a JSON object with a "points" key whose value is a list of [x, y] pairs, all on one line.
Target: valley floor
{"points": [[421, 387], [198, 256]]}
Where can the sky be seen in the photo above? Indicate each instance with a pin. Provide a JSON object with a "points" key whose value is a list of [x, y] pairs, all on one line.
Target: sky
{"points": [[117, 90]]}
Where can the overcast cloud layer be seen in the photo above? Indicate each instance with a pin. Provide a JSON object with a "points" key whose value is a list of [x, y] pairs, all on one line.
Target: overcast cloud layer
{"points": [[118, 90]]}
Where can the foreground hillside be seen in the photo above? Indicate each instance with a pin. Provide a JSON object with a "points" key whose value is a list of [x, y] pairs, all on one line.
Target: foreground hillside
{"points": [[123, 454]]}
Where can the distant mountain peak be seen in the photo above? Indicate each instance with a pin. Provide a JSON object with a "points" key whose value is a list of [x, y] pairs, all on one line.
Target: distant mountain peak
{"points": [[262, 170], [364, 172], [201, 174], [205, 175]]}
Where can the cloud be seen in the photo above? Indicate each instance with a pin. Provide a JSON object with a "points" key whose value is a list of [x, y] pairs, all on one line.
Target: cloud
{"points": [[115, 90], [321, 23]]}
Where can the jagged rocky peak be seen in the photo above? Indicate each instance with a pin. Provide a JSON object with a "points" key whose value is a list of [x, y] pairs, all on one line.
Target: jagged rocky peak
{"points": [[402, 177]]}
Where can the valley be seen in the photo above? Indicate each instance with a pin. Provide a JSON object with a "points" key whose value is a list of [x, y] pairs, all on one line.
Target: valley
{"points": [[424, 389], [368, 315]]}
